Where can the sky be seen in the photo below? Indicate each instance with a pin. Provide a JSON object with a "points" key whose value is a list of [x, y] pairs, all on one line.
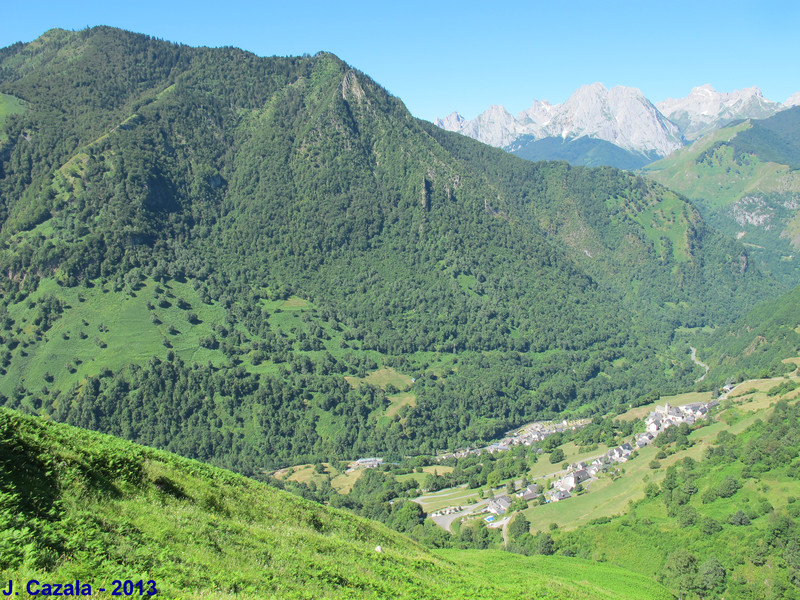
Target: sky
{"points": [[446, 56]]}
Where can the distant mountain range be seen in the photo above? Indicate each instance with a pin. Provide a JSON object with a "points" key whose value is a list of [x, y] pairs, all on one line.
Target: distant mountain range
{"points": [[618, 126]]}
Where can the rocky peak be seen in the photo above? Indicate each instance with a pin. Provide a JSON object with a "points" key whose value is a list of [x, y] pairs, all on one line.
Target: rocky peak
{"points": [[452, 122], [495, 126], [793, 100], [706, 109]]}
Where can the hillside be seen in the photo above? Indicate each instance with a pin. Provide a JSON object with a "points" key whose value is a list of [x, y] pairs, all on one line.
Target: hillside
{"points": [[645, 242], [744, 180], [757, 344], [199, 245], [80, 505], [720, 521], [582, 151]]}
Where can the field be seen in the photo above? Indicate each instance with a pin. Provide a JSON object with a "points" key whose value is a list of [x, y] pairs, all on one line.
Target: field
{"points": [[432, 469], [341, 481], [459, 496], [581, 575], [101, 330], [382, 378], [400, 400], [9, 105]]}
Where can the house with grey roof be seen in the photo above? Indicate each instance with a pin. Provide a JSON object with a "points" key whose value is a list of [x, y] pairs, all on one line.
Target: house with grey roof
{"points": [[499, 505], [560, 495]]}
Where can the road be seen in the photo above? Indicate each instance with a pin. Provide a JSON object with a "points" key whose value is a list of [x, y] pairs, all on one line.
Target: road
{"points": [[697, 362], [445, 521]]}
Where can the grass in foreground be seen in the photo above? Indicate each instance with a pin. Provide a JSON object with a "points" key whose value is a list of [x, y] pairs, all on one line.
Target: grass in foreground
{"points": [[80, 505]]}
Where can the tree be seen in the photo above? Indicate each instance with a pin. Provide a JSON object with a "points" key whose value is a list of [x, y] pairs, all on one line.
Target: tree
{"points": [[680, 572], [728, 487], [556, 456], [739, 518], [712, 575], [543, 544], [710, 526], [518, 526], [687, 516], [519, 503]]}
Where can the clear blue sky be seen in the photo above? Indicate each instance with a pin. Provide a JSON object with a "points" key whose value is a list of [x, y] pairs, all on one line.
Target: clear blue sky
{"points": [[464, 56]]}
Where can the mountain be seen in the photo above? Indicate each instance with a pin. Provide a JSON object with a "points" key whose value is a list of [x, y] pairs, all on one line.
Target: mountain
{"points": [[260, 262], [744, 179], [82, 506], [495, 127], [582, 151], [705, 109], [621, 116], [452, 122], [636, 131]]}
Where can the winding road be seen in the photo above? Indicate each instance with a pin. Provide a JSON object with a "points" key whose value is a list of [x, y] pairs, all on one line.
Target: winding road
{"points": [[697, 362]]}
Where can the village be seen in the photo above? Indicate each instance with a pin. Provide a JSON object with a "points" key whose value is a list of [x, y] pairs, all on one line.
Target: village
{"points": [[578, 476], [526, 435]]}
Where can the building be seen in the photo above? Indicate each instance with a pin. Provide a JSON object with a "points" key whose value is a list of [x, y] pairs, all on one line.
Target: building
{"points": [[499, 505]]}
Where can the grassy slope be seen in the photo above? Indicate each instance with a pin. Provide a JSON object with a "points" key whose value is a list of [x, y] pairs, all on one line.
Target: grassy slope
{"points": [[77, 504], [120, 321], [9, 105], [721, 174], [712, 183]]}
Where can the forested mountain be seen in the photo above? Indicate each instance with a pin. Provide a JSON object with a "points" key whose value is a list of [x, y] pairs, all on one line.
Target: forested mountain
{"points": [[197, 245], [582, 151], [757, 344]]}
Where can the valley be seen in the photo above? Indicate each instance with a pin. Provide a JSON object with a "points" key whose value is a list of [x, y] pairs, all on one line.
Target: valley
{"points": [[263, 333], [611, 502]]}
